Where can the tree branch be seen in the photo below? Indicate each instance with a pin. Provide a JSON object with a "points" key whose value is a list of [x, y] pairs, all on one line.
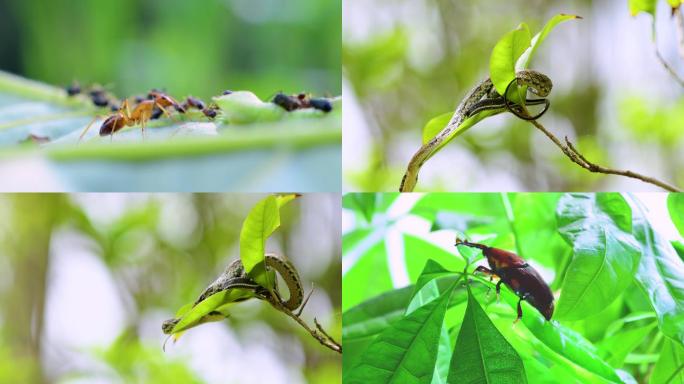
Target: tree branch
{"points": [[571, 152], [319, 334]]}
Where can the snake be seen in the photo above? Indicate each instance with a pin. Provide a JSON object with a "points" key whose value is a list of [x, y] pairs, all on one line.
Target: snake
{"points": [[483, 97], [234, 276]]}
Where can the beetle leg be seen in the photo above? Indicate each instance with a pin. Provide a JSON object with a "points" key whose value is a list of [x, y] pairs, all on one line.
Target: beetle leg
{"points": [[523, 297], [498, 289]]}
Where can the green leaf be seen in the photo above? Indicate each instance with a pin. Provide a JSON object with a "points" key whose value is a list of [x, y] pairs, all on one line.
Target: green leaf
{"points": [[560, 339], [364, 203], [505, 54], [435, 126], [660, 275], [675, 204], [193, 317], [182, 153], [527, 56], [605, 254], [431, 272], [260, 223], [406, 352], [482, 354], [615, 349], [670, 365], [375, 314], [636, 6]]}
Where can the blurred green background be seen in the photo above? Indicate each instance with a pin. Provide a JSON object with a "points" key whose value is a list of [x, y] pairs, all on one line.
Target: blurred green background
{"points": [[405, 62], [186, 47], [86, 281]]}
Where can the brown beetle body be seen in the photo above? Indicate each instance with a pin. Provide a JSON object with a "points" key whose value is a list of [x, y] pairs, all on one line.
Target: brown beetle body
{"points": [[519, 276]]}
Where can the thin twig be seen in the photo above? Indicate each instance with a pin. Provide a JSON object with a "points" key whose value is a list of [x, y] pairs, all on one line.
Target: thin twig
{"points": [[667, 66], [680, 37], [571, 152], [321, 336]]}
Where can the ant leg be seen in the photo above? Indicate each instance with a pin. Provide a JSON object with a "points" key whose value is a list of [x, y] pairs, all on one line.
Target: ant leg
{"points": [[88, 127]]}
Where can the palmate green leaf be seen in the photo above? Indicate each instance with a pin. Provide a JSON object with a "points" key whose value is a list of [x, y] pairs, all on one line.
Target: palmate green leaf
{"points": [[615, 348], [660, 275], [675, 204], [605, 254], [185, 153], [670, 366], [260, 223], [536, 234], [363, 203], [560, 339], [406, 352], [482, 354]]}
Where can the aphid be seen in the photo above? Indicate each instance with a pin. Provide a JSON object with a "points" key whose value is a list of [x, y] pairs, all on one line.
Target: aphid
{"points": [[321, 104], [73, 89], [99, 97], [140, 114], [288, 103], [519, 276]]}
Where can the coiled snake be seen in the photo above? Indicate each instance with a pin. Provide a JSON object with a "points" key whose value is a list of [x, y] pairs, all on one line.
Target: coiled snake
{"points": [[234, 276], [483, 97]]}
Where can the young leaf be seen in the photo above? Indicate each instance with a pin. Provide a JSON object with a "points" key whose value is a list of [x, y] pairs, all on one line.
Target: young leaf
{"points": [[605, 254], [193, 317], [482, 354], [526, 57], [435, 125], [675, 204], [261, 222], [505, 54], [406, 352], [636, 6]]}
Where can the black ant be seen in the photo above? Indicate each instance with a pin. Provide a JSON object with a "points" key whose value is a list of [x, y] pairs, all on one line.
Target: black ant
{"points": [[288, 103]]}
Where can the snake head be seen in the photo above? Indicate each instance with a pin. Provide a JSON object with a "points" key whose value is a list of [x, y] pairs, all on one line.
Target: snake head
{"points": [[167, 326], [537, 82]]}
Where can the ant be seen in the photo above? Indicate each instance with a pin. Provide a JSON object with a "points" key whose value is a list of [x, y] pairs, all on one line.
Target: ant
{"points": [[141, 114], [300, 101], [193, 102]]}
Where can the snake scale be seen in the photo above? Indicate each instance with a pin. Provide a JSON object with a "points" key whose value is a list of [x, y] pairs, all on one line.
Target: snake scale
{"points": [[482, 97], [234, 276]]}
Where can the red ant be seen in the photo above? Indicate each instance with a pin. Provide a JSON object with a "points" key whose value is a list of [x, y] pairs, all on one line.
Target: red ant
{"points": [[141, 114]]}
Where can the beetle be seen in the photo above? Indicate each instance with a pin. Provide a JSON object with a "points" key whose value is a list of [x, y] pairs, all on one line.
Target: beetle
{"points": [[518, 275]]}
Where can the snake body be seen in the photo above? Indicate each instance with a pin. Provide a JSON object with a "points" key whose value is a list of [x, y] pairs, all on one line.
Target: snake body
{"points": [[482, 97], [234, 276]]}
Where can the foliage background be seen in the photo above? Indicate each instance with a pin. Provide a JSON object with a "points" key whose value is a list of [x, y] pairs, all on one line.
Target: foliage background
{"points": [[405, 62], [387, 239], [187, 47], [86, 281]]}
